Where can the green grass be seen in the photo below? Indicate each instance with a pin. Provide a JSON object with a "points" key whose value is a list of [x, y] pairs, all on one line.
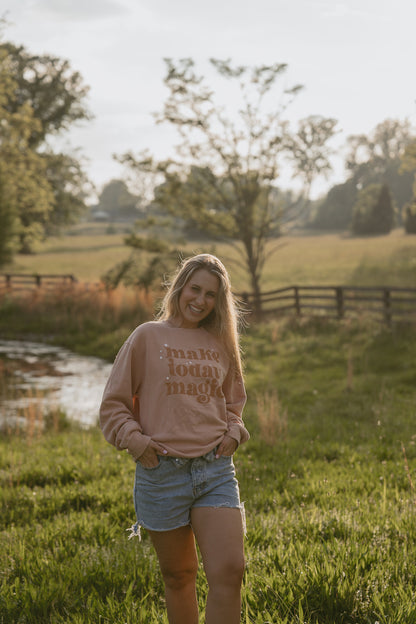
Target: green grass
{"points": [[304, 260], [330, 504], [328, 477], [87, 257]]}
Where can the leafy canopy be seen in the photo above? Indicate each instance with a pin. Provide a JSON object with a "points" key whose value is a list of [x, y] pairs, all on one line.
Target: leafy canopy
{"points": [[223, 179], [40, 190]]}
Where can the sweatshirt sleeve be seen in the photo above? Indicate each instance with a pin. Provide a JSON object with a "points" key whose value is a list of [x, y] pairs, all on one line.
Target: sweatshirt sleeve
{"points": [[235, 398], [118, 422]]}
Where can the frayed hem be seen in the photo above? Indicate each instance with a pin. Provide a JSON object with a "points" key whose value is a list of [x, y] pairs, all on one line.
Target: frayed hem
{"points": [[135, 531]]}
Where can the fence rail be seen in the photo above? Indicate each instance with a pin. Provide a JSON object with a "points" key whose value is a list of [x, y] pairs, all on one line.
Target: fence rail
{"points": [[22, 282], [387, 303]]}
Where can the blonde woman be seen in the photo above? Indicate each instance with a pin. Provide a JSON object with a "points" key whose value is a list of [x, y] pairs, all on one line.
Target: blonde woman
{"points": [[174, 400]]}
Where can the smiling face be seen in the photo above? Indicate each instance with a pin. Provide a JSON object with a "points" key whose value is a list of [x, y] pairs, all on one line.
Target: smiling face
{"points": [[197, 298]]}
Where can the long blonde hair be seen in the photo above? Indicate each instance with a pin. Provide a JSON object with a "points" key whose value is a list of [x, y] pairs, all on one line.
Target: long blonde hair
{"points": [[223, 321]]}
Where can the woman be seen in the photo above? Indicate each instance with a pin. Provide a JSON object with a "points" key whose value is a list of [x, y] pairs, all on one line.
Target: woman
{"points": [[174, 401]]}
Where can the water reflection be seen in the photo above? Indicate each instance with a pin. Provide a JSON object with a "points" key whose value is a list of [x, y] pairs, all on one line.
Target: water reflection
{"points": [[53, 376]]}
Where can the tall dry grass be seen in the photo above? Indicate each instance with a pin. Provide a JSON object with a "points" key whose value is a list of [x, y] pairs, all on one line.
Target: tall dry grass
{"points": [[272, 418], [82, 301], [85, 318]]}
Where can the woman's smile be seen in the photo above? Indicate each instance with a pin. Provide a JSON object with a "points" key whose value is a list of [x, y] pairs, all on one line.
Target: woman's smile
{"points": [[198, 298]]}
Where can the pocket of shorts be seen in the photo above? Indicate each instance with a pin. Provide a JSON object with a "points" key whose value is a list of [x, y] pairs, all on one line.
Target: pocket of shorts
{"points": [[149, 469], [225, 457]]}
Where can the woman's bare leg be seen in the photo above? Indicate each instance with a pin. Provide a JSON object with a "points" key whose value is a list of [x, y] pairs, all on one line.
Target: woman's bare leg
{"points": [[179, 565], [219, 533]]}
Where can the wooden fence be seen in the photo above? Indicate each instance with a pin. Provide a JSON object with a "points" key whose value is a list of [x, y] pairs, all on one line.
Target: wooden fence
{"points": [[23, 282], [388, 304]]}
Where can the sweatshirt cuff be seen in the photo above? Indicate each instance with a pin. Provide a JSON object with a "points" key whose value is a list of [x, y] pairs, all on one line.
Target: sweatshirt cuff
{"points": [[235, 433], [137, 444]]}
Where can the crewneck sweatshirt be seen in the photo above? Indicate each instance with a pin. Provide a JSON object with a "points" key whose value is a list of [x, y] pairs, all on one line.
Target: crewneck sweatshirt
{"points": [[174, 386]]}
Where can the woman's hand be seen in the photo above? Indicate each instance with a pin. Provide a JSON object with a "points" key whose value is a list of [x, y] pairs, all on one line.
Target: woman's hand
{"points": [[227, 447], [149, 458]]}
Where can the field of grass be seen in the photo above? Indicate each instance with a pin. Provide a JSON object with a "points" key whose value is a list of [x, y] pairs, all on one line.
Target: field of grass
{"points": [[86, 257], [322, 259], [328, 480], [328, 477]]}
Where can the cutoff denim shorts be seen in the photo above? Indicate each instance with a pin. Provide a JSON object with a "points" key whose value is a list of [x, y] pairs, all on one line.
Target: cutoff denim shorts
{"points": [[164, 495]]}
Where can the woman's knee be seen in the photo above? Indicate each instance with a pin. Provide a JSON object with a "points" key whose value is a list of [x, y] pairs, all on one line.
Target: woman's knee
{"points": [[227, 573], [179, 577]]}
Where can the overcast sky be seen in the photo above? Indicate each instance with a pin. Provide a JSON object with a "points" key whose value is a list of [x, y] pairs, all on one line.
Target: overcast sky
{"points": [[356, 59]]}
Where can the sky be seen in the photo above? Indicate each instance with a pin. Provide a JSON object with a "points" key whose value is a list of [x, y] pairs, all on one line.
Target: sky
{"points": [[355, 59]]}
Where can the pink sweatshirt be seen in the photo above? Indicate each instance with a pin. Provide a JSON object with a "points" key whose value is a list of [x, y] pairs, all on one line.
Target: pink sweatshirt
{"points": [[173, 386]]}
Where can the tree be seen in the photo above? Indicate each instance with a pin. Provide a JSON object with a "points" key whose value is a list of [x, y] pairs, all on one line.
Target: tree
{"points": [[8, 225], [117, 201], [39, 190], [334, 211], [386, 142], [53, 90], [372, 159], [25, 195], [409, 159], [223, 182], [376, 159], [70, 187], [373, 212], [309, 148]]}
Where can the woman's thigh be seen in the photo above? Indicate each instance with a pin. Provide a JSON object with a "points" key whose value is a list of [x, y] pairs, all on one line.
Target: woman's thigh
{"points": [[176, 552], [220, 536]]}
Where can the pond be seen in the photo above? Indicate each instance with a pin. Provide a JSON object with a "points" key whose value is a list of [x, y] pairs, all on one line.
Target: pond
{"points": [[42, 377]]}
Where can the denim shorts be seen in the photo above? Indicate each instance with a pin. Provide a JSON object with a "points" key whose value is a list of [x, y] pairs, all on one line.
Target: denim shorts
{"points": [[164, 495]]}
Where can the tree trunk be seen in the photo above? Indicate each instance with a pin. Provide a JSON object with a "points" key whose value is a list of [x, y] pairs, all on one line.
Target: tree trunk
{"points": [[255, 285]]}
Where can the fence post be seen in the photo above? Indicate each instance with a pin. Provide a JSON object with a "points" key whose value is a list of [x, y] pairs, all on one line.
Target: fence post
{"points": [[38, 279], [339, 293], [297, 300], [387, 306]]}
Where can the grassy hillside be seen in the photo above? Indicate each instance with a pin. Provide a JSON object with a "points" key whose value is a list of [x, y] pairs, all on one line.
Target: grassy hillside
{"points": [[328, 479], [323, 259]]}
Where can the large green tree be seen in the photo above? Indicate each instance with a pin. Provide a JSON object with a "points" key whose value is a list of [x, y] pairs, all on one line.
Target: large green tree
{"points": [[230, 155], [377, 158], [39, 190], [55, 92], [117, 201], [371, 159], [373, 211], [333, 212], [25, 195], [70, 186]]}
